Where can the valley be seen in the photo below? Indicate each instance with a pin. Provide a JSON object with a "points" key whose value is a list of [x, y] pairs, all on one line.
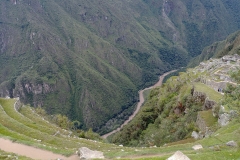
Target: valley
{"points": [[82, 58], [129, 79], [140, 103], [27, 127]]}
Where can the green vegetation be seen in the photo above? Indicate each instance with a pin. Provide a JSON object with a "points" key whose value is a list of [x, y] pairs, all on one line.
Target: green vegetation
{"points": [[167, 116], [232, 94], [28, 127], [10, 156], [86, 60], [219, 49], [208, 118], [170, 113]]}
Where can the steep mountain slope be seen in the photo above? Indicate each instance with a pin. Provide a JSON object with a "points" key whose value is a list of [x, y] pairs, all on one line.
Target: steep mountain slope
{"points": [[230, 46], [87, 59], [201, 100]]}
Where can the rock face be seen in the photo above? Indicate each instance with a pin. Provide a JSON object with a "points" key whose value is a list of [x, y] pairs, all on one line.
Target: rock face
{"points": [[224, 119], [86, 153], [178, 156]]}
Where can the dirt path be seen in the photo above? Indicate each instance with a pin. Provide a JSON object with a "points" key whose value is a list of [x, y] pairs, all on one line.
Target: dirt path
{"points": [[31, 152], [141, 101]]}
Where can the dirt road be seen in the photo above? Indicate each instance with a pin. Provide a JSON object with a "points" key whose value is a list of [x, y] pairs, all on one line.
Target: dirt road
{"points": [[141, 101], [36, 153], [31, 152]]}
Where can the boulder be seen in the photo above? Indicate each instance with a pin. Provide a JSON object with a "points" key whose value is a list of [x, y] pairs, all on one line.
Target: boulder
{"points": [[197, 147], [178, 156], [208, 104], [233, 113], [232, 144], [223, 119], [86, 153], [195, 135]]}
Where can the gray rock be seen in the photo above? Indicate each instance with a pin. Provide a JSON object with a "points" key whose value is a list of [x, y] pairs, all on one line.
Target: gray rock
{"points": [[232, 144], [86, 153], [224, 119], [208, 104], [208, 132], [197, 147], [233, 114], [195, 135], [178, 156]]}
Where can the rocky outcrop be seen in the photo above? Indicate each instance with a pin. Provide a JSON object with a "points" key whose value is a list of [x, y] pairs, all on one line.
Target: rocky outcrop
{"points": [[233, 58], [178, 156], [195, 135], [208, 104], [86, 153], [232, 144], [33, 91], [223, 119], [199, 97]]}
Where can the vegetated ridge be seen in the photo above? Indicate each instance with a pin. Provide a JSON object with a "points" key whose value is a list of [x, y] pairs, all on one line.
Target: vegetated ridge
{"points": [[23, 124], [88, 59], [197, 101]]}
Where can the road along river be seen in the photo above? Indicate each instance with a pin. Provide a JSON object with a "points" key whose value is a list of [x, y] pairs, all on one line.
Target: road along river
{"points": [[140, 103], [36, 153]]}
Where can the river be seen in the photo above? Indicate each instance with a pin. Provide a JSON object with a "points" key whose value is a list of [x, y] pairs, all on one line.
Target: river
{"points": [[140, 103]]}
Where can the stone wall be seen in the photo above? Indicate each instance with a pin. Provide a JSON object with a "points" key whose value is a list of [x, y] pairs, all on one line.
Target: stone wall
{"points": [[208, 104], [17, 105], [199, 97], [217, 86], [201, 123]]}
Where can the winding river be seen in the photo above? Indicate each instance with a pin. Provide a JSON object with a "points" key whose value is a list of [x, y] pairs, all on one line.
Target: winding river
{"points": [[36, 153], [140, 103]]}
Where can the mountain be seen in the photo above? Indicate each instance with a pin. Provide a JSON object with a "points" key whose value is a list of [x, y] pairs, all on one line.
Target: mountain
{"points": [[202, 99], [229, 46], [194, 104], [88, 59]]}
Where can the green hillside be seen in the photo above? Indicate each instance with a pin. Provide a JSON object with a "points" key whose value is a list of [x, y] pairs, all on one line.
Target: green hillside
{"points": [[88, 59], [229, 46], [27, 127], [195, 101]]}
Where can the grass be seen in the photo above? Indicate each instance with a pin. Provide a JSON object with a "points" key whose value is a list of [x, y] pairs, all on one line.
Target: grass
{"points": [[7, 106], [37, 119], [208, 117], [11, 156], [15, 130], [211, 93]]}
